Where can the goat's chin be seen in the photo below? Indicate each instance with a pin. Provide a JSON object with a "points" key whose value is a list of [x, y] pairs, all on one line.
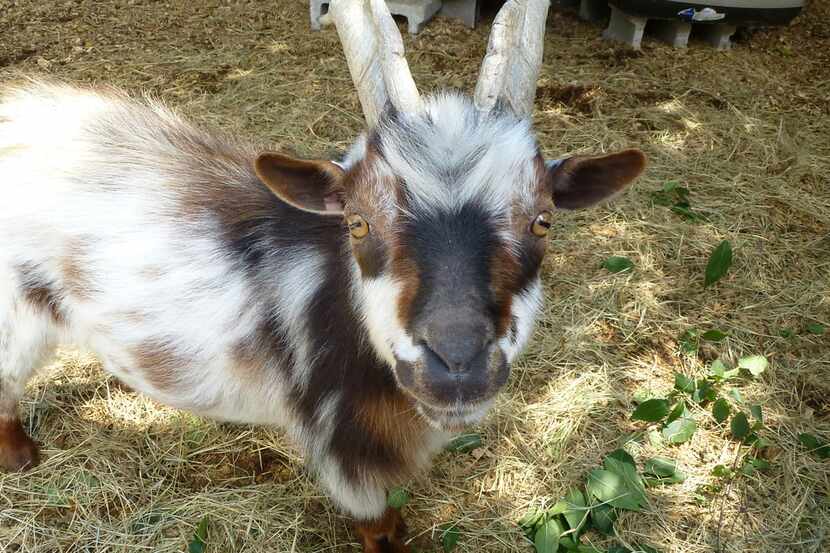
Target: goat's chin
{"points": [[454, 419]]}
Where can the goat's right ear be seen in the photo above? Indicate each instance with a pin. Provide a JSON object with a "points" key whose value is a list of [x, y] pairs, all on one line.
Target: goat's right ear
{"points": [[310, 185]]}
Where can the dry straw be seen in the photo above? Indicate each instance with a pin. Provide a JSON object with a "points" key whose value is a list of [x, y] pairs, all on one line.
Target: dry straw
{"points": [[747, 131]]}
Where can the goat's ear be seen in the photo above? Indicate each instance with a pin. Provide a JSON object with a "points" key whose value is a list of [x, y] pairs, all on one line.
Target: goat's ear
{"points": [[310, 185], [583, 181]]}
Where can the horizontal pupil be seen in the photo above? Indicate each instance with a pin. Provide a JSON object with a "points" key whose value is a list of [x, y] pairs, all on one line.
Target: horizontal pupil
{"points": [[543, 223], [356, 225]]}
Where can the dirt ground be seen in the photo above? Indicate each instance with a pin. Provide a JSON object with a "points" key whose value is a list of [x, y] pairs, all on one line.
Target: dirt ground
{"points": [[747, 131]]}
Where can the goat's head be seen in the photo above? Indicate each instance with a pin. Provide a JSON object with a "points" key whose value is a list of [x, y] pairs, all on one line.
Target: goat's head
{"points": [[448, 202]]}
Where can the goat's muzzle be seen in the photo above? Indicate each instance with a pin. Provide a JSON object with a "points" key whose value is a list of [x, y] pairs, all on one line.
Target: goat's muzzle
{"points": [[459, 370]]}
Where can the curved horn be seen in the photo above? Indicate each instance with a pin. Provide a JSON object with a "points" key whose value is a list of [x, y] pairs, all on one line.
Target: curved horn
{"points": [[514, 56], [375, 54]]}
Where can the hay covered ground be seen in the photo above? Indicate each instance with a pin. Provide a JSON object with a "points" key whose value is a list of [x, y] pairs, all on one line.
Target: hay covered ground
{"points": [[747, 131]]}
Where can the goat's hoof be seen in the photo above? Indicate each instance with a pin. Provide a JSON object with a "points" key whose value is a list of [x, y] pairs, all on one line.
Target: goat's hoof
{"points": [[18, 452], [385, 535]]}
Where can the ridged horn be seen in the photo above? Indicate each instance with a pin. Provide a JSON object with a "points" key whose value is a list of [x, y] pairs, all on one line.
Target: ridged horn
{"points": [[375, 54], [514, 55]]}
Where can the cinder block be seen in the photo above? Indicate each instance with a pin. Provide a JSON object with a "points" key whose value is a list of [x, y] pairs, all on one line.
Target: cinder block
{"points": [[625, 28], [467, 11], [416, 12], [718, 35], [316, 10], [593, 10], [675, 33]]}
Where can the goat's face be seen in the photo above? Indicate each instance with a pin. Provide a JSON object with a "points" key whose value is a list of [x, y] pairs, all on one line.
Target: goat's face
{"points": [[448, 212]]}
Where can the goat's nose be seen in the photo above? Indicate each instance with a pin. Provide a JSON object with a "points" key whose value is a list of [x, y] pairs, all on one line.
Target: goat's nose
{"points": [[459, 347]]}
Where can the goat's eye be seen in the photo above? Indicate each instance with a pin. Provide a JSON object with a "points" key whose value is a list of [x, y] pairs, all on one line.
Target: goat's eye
{"points": [[541, 225], [357, 226]]}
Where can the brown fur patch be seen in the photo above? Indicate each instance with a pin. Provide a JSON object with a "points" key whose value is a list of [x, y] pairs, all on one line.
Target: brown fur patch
{"points": [[384, 535], [405, 271], [160, 363], [76, 278], [504, 274], [18, 452], [393, 420], [41, 293]]}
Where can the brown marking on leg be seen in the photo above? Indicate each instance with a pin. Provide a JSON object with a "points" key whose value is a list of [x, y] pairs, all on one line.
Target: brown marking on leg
{"points": [[384, 535], [18, 452]]}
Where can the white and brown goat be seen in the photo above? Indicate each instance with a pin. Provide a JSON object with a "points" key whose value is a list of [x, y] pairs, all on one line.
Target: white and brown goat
{"points": [[371, 307]]}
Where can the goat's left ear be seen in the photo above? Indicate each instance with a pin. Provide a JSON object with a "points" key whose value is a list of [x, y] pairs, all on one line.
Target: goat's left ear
{"points": [[583, 181], [310, 185]]}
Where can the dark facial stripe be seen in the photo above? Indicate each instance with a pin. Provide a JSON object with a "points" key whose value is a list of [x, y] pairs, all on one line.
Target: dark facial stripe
{"points": [[452, 253]]}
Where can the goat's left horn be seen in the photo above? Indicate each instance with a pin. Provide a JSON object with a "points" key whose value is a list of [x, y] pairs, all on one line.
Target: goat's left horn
{"points": [[375, 54], [514, 55]]}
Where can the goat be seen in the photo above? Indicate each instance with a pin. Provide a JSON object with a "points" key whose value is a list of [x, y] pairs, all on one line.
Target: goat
{"points": [[370, 307]]}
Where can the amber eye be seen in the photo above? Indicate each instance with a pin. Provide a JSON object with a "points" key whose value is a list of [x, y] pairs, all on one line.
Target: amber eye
{"points": [[541, 225], [357, 226]]}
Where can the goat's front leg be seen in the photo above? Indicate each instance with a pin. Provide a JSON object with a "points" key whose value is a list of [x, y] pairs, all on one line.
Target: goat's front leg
{"points": [[385, 534], [381, 529]]}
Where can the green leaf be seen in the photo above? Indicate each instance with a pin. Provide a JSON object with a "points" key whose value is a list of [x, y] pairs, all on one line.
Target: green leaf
{"points": [[721, 410], [652, 410], [721, 471], [584, 548], [617, 264], [577, 513], [531, 518], [677, 412], [449, 537], [736, 395], [603, 517], [464, 443], [755, 364], [617, 548], [619, 462], [397, 498], [664, 471], [704, 392], [786, 333], [684, 383], [756, 412], [546, 539], [660, 466], [568, 543], [689, 342], [717, 369], [609, 487], [739, 426], [680, 430], [815, 446], [815, 328], [713, 335], [719, 262], [198, 544]]}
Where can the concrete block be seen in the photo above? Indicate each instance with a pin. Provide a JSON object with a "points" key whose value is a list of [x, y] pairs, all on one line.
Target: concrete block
{"points": [[675, 33], [625, 28], [316, 10], [416, 12], [467, 11], [718, 35]]}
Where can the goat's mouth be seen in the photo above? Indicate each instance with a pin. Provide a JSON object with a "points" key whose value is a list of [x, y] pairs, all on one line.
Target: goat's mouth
{"points": [[453, 419]]}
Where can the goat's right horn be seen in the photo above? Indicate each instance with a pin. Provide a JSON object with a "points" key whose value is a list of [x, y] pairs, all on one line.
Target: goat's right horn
{"points": [[514, 56], [375, 54]]}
